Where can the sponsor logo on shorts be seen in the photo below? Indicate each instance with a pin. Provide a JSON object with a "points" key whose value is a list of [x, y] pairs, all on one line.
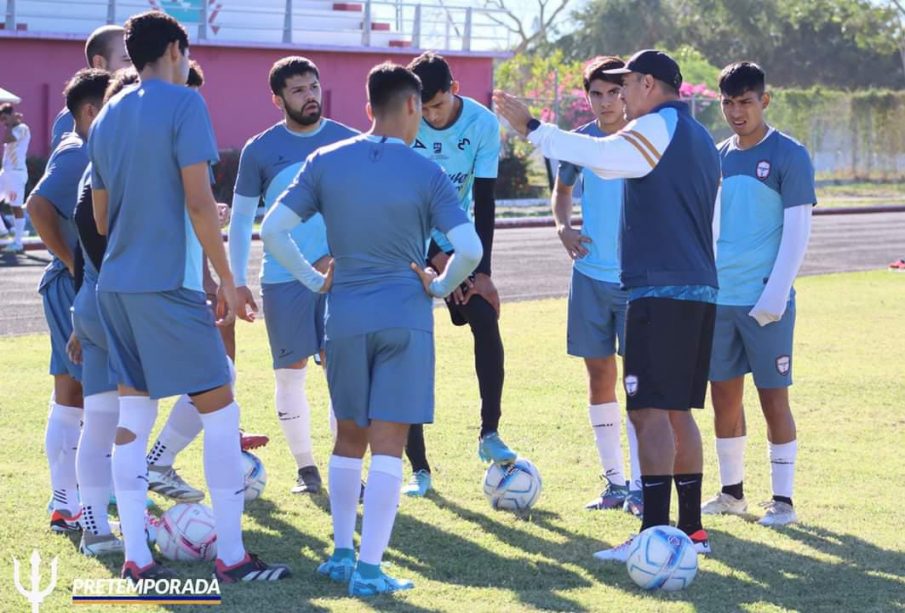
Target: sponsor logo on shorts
{"points": [[783, 364], [631, 385], [763, 169]]}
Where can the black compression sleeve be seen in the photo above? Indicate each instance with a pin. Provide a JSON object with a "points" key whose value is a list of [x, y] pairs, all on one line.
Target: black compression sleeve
{"points": [[79, 270], [93, 243], [484, 219]]}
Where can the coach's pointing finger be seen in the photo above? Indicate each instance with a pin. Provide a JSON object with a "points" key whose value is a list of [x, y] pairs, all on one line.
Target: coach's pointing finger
{"points": [[512, 110]]}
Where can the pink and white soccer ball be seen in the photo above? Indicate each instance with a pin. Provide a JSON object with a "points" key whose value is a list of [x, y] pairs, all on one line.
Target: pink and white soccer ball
{"points": [[255, 475], [662, 558], [186, 533]]}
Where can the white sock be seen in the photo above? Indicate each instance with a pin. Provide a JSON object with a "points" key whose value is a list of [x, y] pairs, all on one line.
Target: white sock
{"points": [[130, 475], [782, 467], [344, 486], [632, 435], [332, 417], [92, 466], [381, 504], [60, 444], [730, 453], [225, 480], [294, 413], [606, 422], [183, 425], [19, 230]]}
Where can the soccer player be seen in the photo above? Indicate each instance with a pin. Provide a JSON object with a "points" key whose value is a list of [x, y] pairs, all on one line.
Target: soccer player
{"points": [[379, 338], [84, 98], [104, 49], [14, 172], [672, 174], [463, 137], [50, 207], [151, 148], [293, 314], [596, 303], [764, 225]]}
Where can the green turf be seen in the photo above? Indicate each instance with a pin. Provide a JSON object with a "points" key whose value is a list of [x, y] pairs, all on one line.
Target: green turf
{"points": [[848, 552]]}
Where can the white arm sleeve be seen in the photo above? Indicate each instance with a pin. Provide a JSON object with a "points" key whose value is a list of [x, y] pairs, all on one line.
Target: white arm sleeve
{"points": [[631, 153], [467, 256], [240, 231], [278, 223], [796, 231]]}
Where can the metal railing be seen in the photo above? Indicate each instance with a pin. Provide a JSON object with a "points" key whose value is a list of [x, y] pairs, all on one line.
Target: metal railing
{"points": [[435, 24]]}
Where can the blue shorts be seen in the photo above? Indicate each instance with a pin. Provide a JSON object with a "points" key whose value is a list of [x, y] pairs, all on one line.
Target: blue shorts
{"points": [[741, 345], [163, 343], [596, 317], [294, 317], [97, 377], [58, 295], [386, 375]]}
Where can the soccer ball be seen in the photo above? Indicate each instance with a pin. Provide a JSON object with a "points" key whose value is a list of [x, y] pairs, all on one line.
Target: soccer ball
{"points": [[662, 558], [186, 533], [514, 487], [255, 475]]}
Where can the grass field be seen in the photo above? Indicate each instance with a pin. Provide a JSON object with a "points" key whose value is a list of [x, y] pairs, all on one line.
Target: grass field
{"points": [[847, 554]]}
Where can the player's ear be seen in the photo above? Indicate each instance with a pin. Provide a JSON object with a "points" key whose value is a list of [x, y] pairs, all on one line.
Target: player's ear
{"points": [[454, 88], [99, 61], [369, 111], [765, 99], [277, 102]]}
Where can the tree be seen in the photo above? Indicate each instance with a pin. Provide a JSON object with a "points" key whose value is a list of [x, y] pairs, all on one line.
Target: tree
{"points": [[545, 21]]}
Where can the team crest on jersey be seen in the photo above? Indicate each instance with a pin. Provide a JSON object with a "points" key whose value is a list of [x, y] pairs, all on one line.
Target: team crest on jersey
{"points": [[438, 147], [783, 363], [763, 170], [463, 143], [631, 385]]}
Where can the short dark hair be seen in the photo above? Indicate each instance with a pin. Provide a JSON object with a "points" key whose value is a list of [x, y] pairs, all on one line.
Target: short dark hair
{"points": [[87, 86], [741, 77], [6, 109], [595, 71], [148, 34], [121, 79], [196, 75], [292, 66], [434, 73], [100, 41], [388, 85]]}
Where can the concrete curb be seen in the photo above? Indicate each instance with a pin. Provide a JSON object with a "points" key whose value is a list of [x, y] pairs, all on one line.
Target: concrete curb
{"points": [[509, 223]]}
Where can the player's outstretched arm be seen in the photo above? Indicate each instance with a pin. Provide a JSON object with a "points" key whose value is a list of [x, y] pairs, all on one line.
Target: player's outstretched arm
{"points": [[46, 221], [202, 211], [275, 232]]}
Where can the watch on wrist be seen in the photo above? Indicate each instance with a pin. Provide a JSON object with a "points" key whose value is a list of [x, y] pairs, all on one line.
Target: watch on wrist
{"points": [[532, 125]]}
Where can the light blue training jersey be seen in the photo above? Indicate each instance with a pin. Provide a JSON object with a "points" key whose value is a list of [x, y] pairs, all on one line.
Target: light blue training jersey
{"points": [[759, 184], [138, 145], [378, 218], [59, 185], [62, 124], [601, 214], [468, 149], [268, 164]]}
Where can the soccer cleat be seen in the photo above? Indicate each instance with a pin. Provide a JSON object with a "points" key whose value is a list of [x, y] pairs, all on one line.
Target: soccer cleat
{"points": [[634, 503], [491, 448], [62, 522], [382, 584], [701, 541], [778, 514], [252, 441], [308, 481], [153, 571], [14, 249], [252, 568], [897, 266], [612, 497], [339, 566], [165, 481], [619, 553], [724, 504], [419, 485], [99, 544]]}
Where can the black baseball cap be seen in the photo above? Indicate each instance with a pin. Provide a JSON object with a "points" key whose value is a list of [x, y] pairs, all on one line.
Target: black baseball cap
{"points": [[655, 63]]}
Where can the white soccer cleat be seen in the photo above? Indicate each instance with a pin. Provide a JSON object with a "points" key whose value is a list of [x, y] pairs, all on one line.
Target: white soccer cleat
{"points": [[100, 544], [619, 553], [778, 514], [165, 481], [724, 504]]}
